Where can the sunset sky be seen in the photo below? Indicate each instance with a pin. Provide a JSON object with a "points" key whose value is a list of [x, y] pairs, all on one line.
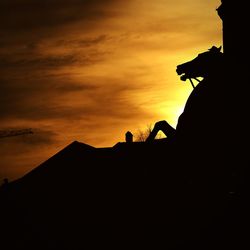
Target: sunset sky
{"points": [[90, 70]]}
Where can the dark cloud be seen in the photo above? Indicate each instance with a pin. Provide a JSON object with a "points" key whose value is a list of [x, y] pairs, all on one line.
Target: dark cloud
{"points": [[83, 43], [34, 56], [48, 62], [30, 86], [39, 100], [39, 137], [29, 14], [5, 133], [25, 24]]}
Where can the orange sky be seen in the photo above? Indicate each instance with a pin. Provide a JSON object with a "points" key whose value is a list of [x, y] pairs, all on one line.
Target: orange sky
{"points": [[92, 70]]}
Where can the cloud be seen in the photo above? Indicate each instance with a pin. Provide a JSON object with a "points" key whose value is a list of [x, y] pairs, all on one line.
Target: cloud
{"points": [[37, 99], [47, 62], [5, 133], [59, 98], [30, 15], [83, 43]]}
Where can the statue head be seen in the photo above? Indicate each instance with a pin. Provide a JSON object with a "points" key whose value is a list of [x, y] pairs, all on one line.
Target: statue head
{"points": [[204, 65]]}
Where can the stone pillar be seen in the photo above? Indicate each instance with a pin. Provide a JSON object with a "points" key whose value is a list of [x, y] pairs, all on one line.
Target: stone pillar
{"points": [[234, 15]]}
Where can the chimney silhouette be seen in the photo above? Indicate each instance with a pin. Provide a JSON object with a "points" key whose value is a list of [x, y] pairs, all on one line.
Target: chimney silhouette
{"points": [[129, 137]]}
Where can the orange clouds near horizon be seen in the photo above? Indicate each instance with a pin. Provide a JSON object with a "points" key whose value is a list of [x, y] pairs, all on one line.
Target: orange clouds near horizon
{"points": [[92, 70]]}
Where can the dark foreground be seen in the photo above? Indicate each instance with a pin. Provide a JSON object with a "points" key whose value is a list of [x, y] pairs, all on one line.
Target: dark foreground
{"points": [[131, 195]]}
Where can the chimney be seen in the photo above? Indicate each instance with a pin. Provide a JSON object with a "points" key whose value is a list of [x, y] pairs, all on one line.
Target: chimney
{"points": [[129, 137]]}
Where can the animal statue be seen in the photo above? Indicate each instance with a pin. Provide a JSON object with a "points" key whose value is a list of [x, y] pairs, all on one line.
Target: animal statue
{"points": [[201, 104], [204, 65]]}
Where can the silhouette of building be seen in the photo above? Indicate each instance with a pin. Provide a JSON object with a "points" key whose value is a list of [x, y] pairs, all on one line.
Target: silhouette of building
{"points": [[235, 27]]}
